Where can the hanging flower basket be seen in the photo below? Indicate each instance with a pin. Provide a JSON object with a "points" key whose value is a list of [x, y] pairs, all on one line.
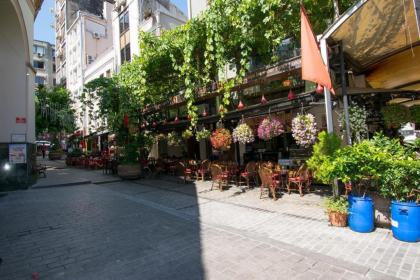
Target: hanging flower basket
{"points": [[358, 122], [269, 128], [202, 134], [221, 139], [304, 129], [243, 134], [187, 134], [174, 139]]}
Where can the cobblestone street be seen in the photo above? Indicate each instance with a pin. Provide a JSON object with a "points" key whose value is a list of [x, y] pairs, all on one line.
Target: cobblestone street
{"points": [[160, 229]]}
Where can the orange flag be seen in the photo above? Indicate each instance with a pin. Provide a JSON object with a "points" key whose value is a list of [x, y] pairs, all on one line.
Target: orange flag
{"points": [[313, 67]]}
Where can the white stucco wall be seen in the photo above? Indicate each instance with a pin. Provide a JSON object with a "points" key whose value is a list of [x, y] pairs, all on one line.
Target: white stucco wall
{"points": [[195, 7], [16, 74]]}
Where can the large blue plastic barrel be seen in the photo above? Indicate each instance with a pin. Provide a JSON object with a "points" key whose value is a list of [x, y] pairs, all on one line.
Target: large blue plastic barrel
{"points": [[361, 213], [405, 221]]}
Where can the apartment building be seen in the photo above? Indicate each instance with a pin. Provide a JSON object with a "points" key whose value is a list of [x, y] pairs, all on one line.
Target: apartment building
{"points": [[132, 16], [195, 7], [44, 63], [66, 13]]}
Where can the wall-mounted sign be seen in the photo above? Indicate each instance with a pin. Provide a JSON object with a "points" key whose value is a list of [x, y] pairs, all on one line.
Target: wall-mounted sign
{"points": [[18, 138], [17, 153], [20, 120]]}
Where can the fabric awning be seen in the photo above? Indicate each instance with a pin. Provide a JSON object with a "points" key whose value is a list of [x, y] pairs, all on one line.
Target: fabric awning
{"points": [[373, 30]]}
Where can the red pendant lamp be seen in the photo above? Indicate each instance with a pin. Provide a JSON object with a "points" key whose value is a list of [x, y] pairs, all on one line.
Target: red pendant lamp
{"points": [[263, 99], [240, 105], [291, 95], [205, 113], [125, 121], [319, 89], [176, 120]]}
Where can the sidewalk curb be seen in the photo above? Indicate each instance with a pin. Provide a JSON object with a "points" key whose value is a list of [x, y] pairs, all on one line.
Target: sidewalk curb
{"points": [[87, 182]]}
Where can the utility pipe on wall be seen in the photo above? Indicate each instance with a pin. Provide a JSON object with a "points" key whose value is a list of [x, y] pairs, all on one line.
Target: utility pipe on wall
{"points": [[327, 94]]}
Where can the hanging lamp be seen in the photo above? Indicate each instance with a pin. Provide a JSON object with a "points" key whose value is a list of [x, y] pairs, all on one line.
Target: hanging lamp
{"points": [[240, 105], [263, 99], [291, 95], [319, 89]]}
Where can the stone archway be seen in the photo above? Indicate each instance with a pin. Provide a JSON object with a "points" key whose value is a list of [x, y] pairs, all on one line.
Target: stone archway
{"points": [[16, 76]]}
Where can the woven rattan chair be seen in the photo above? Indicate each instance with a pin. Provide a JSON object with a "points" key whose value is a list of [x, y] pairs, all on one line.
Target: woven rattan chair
{"points": [[299, 180], [249, 173], [218, 176]]}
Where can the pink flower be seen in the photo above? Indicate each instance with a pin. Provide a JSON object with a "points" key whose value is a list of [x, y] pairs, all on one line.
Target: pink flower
{"points": [[269, 128]]}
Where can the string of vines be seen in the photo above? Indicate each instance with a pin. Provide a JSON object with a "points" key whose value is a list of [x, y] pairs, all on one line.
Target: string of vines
{"points": [[191, 56]]}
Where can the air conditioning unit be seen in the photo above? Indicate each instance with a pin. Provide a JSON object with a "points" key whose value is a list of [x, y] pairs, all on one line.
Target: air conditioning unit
{"points": [[90, 59], [96, 35], [40, 54]]}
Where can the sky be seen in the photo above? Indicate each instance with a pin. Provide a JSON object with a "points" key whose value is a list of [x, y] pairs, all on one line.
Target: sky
{"points": [[44, 31]]}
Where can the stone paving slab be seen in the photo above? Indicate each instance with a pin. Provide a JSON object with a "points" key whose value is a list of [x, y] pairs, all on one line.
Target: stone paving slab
{"points": [[96, 232], [58, 174], [302, 222]]}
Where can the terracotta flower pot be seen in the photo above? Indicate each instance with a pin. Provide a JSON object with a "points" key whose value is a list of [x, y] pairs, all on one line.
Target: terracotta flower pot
{"points": [[129, 171], [55, 155], [337, 219]]}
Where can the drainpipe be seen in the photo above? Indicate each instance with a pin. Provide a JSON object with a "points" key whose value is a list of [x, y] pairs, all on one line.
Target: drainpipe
{"points": [[327, 93]]}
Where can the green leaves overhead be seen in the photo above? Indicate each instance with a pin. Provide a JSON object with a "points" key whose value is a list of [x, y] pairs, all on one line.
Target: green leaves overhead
{"points": [[228, 32]]}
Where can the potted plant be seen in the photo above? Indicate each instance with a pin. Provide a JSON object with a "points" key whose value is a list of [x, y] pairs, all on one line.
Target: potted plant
{"points": [[394, 115], [243, 134], [174, 139], [129, 166], [359, 165], [401, 183], [73, 156], [358, 122], [221, 139], [203, 134], [304, 129], [56, 152], [187, 134], [269, 128], [337, 210]]}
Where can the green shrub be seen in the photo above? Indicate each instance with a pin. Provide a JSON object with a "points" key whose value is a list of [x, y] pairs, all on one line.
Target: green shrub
{"points": [[323, 155], [336, 204], [400, 178]]}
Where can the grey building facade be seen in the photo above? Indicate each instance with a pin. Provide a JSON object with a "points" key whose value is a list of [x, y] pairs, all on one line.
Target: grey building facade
{"points": [[44, 63]]}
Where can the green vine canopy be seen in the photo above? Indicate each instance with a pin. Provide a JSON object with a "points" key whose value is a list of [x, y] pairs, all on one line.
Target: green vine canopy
{"points": [[190, 57]]}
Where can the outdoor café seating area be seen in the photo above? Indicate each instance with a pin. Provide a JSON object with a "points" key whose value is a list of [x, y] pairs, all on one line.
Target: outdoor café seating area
{"points": [[269, 177]]}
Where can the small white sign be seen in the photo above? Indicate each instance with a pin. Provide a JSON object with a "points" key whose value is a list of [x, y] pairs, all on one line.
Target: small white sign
{"points": [[17, 153], [394, 223], [18, 138]]}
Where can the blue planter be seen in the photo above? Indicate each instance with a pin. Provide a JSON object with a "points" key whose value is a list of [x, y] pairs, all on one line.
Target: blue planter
{"points": [[405, 221], [361, 213]]}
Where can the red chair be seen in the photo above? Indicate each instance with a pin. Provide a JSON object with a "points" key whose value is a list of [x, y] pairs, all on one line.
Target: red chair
{"points": [[249, 173], [203, 170], [269, 180], [186, 171], [299, 180], [219, 176]]}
